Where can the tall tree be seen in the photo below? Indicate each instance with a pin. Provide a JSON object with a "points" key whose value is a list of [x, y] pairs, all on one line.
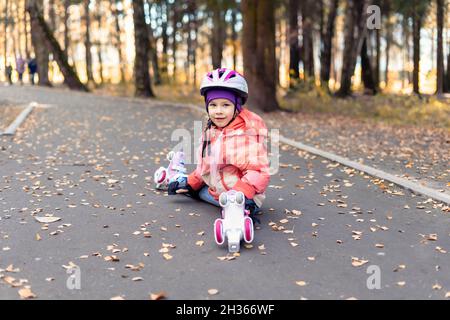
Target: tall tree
{"points": [[327, 41], [440, 47], [388, 36], [5, 39], [98, 17], [46, 39], [114, 4], [142, 49], [367, 72], [87, 42], [153, 52], [294, 49], [217, 8], [308, 11], [38, 37], [66, 27], [258, 45], [355, 32]]}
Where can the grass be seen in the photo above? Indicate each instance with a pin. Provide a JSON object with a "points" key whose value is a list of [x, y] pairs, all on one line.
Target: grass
{"points": [[390, 108]]}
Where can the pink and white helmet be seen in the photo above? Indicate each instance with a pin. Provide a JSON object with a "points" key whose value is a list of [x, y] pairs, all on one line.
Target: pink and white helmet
{"points": [[224, 78]]}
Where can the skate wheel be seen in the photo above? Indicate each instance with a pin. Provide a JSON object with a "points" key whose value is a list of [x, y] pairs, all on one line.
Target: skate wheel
{"points": [[160, 175], [248, 230], [218, 232]]}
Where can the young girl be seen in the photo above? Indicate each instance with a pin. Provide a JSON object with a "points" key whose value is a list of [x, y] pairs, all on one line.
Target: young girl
{"points": [[232, 153]]}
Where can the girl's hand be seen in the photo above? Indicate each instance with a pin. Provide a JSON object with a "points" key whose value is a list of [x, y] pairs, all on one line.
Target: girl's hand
{"points": [[182, 191]]}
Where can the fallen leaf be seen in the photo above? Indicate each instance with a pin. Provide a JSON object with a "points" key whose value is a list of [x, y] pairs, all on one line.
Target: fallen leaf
{"points": [[25, 293], [213, 291], [167, 256], [137, 279], [47, 219], [356, 262], [158, 296], [301, 283], [199, 243]]}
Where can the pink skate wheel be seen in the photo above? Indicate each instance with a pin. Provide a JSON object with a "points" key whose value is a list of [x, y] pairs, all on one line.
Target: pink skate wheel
{"points": [[218, 231], [248, 231]]}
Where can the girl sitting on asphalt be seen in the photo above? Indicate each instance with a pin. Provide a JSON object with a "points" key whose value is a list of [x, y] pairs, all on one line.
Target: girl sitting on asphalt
{"points": [[232, 154]]}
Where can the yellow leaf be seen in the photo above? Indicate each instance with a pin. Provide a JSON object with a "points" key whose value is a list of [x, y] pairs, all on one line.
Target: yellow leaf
{"points": [[301, 283], [25, 293]]}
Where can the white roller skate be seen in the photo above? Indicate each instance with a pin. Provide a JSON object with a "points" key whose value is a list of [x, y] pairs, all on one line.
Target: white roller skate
{"points": [[235, 224], [163, 176]]}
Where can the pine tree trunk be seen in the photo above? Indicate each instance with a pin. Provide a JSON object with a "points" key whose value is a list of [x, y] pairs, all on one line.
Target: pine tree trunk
{"points": [[355, 32], [294, 51], [165, 43], [258, 45], [118, 42], [217, 39], [46, 40], [387, 10], [38, 38], [87, 42], [66, 27], [98, 17], [142, 49], [417, 25], [175, 20], [327, 41], [307, 32], [234, 37], [5, 39], [368, 75], [440, 48]]}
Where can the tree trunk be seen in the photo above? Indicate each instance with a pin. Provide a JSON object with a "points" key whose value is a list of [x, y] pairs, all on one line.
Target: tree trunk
{"points": [[87, 42], [165, 42], [308, 43], [376, 73], [142, 49], [294, 50], [25, 28], [153, 52], [66, 27], [417, 24], [447, 77], [98, 17], [234, 36], [440, 48], [175, 20], [5, 39], [367, 73], [217, 35], [387, 10], [258, 45], [118, 42], [47, 40], [355, 32], [327, 41], [38, 38]]}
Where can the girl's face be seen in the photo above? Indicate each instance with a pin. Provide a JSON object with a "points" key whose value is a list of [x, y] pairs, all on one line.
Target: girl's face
{"points": [[221, 111]]}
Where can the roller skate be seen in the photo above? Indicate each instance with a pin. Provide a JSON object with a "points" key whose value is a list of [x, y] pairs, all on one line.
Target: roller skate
{"points": [[235, 223], [163, 176]]}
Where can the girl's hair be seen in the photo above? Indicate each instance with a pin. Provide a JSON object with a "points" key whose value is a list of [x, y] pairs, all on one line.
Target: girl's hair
{"points": [[206, 143]]}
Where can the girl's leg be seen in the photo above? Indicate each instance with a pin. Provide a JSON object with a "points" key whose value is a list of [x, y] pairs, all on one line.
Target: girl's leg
{"points": [[207, 197]]}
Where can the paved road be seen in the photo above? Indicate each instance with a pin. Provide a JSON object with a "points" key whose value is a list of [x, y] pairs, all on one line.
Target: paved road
{"points": [[89, 160]]}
